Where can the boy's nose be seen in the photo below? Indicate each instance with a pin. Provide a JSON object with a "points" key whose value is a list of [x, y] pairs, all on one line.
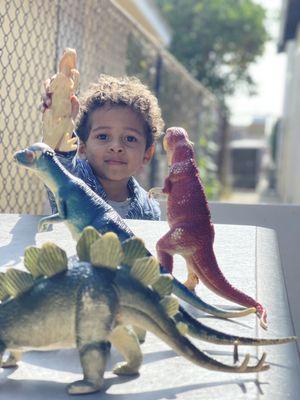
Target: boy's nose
{"points": [[116, 146]]}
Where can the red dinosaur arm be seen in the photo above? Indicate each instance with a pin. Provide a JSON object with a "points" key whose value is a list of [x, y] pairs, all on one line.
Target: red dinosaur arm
{"points": [[167, 186]]}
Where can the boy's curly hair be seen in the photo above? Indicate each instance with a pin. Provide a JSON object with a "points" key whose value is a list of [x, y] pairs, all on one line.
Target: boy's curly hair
{"points": [[124, 91]]}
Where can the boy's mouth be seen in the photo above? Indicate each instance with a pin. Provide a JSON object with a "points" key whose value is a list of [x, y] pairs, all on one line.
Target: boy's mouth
{"points": [[115, 162]]}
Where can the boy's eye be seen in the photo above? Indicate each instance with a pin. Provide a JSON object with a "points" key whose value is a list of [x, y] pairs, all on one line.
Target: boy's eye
{"points": [[130, 139], [102, 136]]}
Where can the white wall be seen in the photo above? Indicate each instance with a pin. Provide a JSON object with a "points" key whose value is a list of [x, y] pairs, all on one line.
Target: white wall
{"points": [[289, 160]]}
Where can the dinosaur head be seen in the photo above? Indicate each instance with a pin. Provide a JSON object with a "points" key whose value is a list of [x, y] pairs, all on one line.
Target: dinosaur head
{"points": [[177, 138], [35, 157], [68, 61]]}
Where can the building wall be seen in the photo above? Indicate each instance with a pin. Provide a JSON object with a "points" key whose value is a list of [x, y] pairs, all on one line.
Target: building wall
{"points": [[288, 155]]}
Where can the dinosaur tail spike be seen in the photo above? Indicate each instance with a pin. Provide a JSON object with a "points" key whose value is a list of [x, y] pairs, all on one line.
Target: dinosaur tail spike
{"points": [[200, 331], [147, 313], [172, 336], [235, 352]]}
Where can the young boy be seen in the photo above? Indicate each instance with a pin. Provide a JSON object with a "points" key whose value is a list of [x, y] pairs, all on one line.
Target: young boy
{"points": [[119, 120]]}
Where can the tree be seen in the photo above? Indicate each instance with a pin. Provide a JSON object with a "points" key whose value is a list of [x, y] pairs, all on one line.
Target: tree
{"points": [[217, 40]]}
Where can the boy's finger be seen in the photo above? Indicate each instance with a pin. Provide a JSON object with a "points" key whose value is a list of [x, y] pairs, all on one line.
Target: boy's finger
{"points": [[41, 107], [46, 103], [46, 99]]}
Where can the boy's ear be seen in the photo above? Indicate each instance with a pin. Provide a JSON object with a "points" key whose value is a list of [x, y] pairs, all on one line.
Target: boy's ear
{"points": [[81, 149], [149, 153]]}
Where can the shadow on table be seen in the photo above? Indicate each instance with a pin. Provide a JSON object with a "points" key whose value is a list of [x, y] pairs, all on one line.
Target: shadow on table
{"points": [[23, 235], [33, 389], [68, 360]]}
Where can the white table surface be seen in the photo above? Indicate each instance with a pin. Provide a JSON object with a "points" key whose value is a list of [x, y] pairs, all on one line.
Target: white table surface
{"points": [[248, 257]]}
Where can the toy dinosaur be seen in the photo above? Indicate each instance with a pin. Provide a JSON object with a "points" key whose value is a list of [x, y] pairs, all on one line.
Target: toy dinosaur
{"points": [[72, 193], [110, 287], [191, 231], [58, 125]]}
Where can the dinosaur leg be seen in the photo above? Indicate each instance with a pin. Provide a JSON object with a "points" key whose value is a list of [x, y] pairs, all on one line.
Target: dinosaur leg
{"points": [[192, 279], [165, 259], [2, 350], [93, 358], [94, 320], [176, 241], [48, 128], [65, 142], [13, 358], [167, 246], [140, 333], [126, 342]]}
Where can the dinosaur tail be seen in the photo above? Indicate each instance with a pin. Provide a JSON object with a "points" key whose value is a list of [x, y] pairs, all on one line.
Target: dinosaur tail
{"points": [[191, 298], [206, 267], [200, 331], [150, 315]]}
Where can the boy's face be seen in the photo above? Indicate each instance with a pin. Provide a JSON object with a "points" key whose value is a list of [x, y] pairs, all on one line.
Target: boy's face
{"points": [[116, 146]]}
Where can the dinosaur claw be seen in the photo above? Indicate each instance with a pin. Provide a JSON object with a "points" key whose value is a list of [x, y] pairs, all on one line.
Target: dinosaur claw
{"points": [[244, 366], [263, 320], [44, 227], [260, 366]]}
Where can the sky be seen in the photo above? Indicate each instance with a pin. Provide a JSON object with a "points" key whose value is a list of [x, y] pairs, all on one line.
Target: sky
{"points": [[270, 86]]}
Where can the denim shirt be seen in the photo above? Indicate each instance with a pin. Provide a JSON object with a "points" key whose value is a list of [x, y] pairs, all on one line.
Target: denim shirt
{"points": [[141, 207]]}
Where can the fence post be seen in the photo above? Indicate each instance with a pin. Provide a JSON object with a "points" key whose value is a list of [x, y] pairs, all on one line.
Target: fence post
{"points": [[156, 89]]}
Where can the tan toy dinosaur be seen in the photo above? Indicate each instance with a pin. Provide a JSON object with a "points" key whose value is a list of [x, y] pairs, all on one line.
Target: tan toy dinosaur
{"points": [[58, 124]]}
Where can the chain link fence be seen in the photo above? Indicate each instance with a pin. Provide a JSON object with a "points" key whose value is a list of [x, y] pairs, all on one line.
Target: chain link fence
{"points": [[33, 35]]}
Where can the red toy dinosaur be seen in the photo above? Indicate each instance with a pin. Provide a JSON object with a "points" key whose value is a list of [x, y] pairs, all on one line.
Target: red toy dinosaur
{"points": [[191, 231]]}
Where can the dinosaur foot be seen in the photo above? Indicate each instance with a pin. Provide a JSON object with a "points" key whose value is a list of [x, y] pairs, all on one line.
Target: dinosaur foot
{"points": [[83, 387], [262, 315], [191, 282], [9, 364], [123, 368], [44, 227], [11, 361], [140, 333]]}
